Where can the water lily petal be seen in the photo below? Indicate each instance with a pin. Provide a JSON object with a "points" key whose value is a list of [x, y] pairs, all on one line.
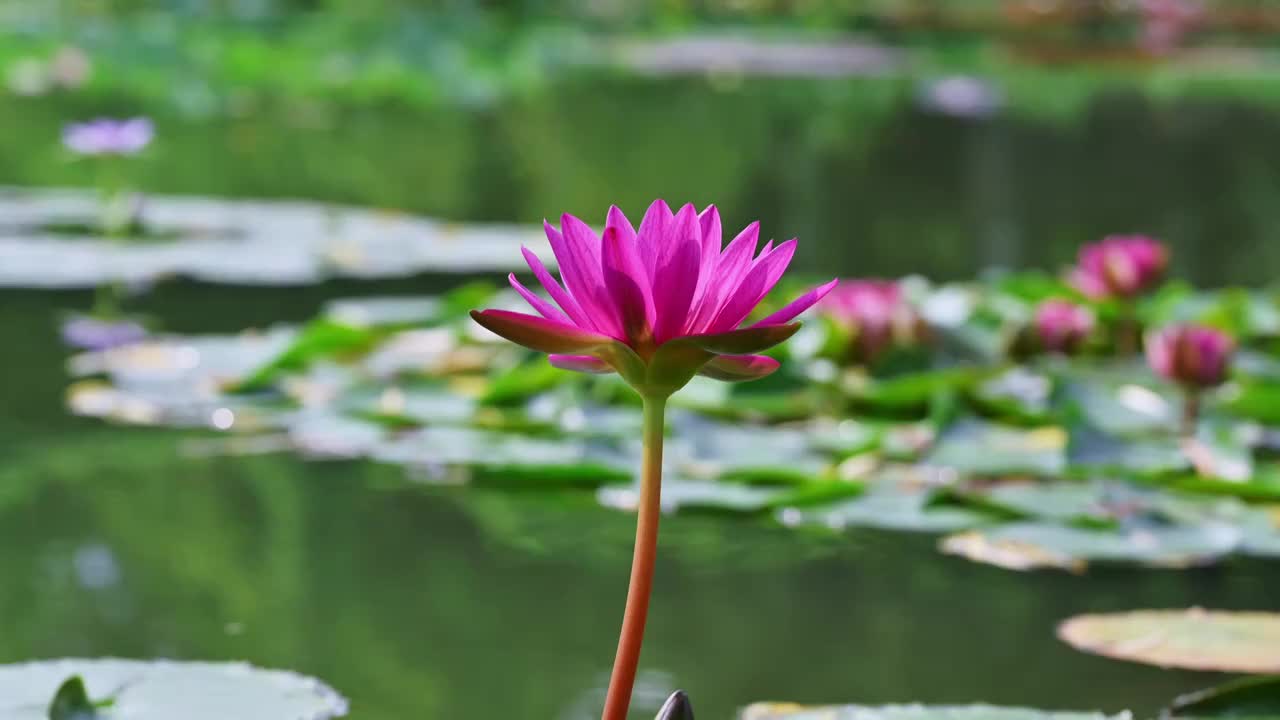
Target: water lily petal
{"points": [[744, 341], [544, 308], [581, 363], [709, 222], [617, 220], [739, 368], [654, 228], [731, 268], [577, 250], [628, 286], [676, 277], [764, 274], [792, 309], [557, 293], [538, 333]]}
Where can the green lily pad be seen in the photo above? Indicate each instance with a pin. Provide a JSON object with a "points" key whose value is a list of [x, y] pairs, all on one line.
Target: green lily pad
{"points": [[1122, 400], [889, 506], [695, 496], [788, 711], [1019, 395], [1195, 639], [164, 690], [912, 392], [1030, 545], [1255, 698], [983, 448], [240, 242]]}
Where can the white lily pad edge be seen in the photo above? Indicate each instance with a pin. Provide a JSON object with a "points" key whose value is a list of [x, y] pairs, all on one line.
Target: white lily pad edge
{"points": [[168, 689]]}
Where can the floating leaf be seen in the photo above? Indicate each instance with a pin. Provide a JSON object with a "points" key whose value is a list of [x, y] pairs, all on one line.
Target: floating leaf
{"points": [[695, 496], [914, 391], [982, 448], [318, 339], [1250, 697], [890, 506], [787, 711], [1195, 639], [239, 242], [1024, 546], [383, 311], [164, 690]]}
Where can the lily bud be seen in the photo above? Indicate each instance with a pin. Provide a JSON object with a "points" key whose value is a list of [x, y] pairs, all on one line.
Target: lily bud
{"points": [[1193, 356], [677, 707], [875, 315], [1062, 326], [1120, 266]]}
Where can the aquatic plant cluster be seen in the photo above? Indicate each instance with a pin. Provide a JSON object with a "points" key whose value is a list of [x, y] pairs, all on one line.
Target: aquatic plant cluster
{"points": [[955, 408], [1016, 415]]}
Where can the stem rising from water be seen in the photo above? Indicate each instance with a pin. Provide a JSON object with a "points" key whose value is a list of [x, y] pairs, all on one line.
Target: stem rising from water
{"points": [[648, 512]]}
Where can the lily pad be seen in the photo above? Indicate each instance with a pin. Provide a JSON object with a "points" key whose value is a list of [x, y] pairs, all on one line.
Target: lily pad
{"points": [[889, 506], [695, 496], [241, 242], [1195, 639], [164, 690], [1250, 697], [788, 711], [1029, 545], [982, 448]]}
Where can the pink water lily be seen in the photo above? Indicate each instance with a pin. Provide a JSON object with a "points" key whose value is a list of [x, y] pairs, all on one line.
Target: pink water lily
{"points": [[1194, 356], [876, 315], [658, 304], [1062, 326], [1191, 355], [1120, 266]]}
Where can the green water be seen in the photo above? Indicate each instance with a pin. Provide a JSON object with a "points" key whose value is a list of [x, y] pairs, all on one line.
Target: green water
{"points": [[448, 603], [870, 186]]}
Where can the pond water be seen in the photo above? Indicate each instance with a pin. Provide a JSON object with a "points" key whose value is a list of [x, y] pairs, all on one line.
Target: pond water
{"points": [[450, 603], [870, 184]]}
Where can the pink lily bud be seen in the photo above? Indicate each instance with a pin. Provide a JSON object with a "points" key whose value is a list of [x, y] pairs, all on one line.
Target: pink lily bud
{"points": [[875, 314], [656, 305], [1193, 356], [1120, 266], [1062, 326]]}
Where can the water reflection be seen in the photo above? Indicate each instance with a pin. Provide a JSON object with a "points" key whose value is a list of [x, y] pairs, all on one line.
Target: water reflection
{"points": [[874, 184], [416, 601]]}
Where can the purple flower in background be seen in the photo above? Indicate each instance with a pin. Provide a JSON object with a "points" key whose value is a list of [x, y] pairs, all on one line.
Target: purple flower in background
{"points": [[1193, 356], [89, 333], [875, 314], [961, 96], [1121, 266], [1062, 326], [107, 136]]}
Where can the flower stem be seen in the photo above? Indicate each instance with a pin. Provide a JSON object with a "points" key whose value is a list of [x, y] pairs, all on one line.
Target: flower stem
{"points": [[646, 549], [1127, 340], [1190, 412]]}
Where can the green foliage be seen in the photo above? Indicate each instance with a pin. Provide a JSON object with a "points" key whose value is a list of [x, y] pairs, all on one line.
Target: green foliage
{"points": [[72, 702]]}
